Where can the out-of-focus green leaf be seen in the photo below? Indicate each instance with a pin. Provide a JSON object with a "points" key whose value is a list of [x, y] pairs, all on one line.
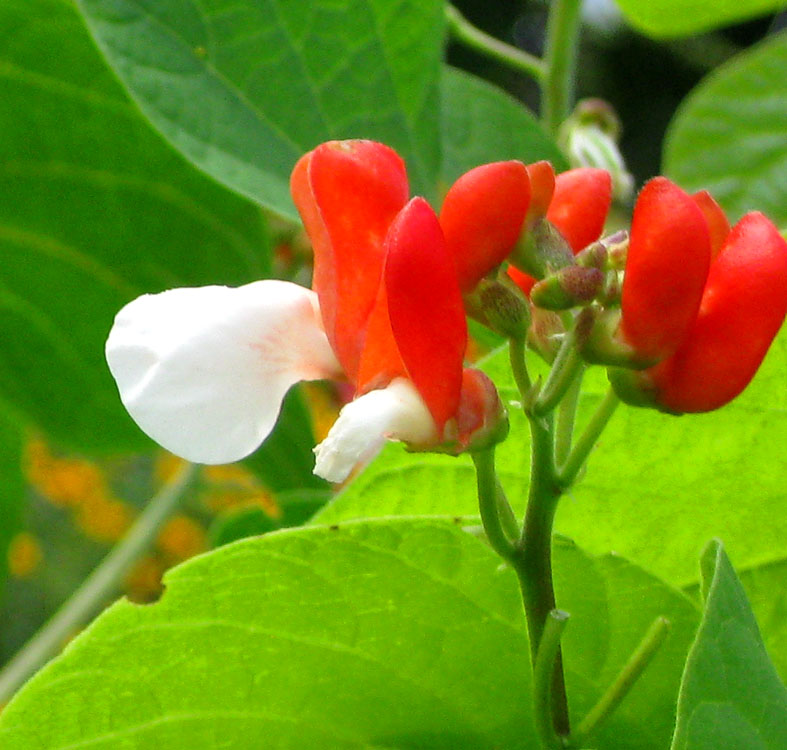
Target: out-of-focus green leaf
{"points": [[96, 209], [296, 506], [671, 18], [480, 124], [12, 488], [656, 488], [730, 136], [358, 636], [731, 697], [285, 460], [244, 87]]}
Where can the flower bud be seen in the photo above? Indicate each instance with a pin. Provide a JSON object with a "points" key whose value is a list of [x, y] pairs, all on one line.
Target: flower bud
{"points": [[502, 307], [590, 137], [545, 333], [567, 288], [541, 251]]}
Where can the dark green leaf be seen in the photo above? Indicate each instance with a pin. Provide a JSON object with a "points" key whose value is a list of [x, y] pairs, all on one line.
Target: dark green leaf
{"points": [[96, 209], [731, 697], [244, 87], [730, 137], [12, 488], [480, 124]]}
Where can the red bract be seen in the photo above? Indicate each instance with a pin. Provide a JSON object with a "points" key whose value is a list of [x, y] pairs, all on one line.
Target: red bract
{"points": [[580, 204], [387, 277], [482, 217], [742, 309], [666, 268]]}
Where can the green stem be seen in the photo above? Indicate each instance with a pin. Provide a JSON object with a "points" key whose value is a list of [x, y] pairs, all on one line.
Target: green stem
{"points": [[566, 415], [533, 563], [488, 502], [516, 354], [101, 584], [623, 683], [463, 31], [557, 86], [507, 517], [564, 371], [585, 443], [543, 670]]}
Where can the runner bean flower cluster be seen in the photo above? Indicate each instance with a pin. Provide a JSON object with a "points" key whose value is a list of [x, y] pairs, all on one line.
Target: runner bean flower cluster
{"points": [[682, 312]]}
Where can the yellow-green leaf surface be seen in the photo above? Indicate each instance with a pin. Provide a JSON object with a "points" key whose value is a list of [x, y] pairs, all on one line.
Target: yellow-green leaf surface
{"points": [[656, 489], [244, 87], [731, 697], [671, 18], [730, 134], [95, 209], [398, 635]]}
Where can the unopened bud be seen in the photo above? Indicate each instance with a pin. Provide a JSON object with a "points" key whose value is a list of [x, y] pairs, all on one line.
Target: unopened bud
{"points": [[593, 256], [617, 246], [590, 136], [567, 288], [599, 340], [504, 307], [545, 334], [541, 251]]}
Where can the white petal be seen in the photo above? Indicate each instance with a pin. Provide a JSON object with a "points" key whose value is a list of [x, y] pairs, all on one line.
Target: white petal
{"points": [[394, 413], [203, 371]]}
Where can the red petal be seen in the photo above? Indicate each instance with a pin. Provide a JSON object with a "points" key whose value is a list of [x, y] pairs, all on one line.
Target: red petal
{"points": [[718, 226], [666, 269], [348, 193], [482, 217], [743, 307], [425, 308], [523, 280], [542, 186], [580, 204]]}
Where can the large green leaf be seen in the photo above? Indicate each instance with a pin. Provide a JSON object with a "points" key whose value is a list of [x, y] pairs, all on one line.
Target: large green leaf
{"points": [[369, 635], [656, 488], [670, 18], [96, 209], [244, 87], [480, 123], [731, 697], [730, 135]]}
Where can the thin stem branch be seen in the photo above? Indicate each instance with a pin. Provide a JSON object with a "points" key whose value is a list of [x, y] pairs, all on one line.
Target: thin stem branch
{"points": [[587, 440], [516, 354], [566, 416], [546, 655], [463, 31], [557, 86], [507, 517], [564, 370], [623, 683], [488, 503], [102, 583]]}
